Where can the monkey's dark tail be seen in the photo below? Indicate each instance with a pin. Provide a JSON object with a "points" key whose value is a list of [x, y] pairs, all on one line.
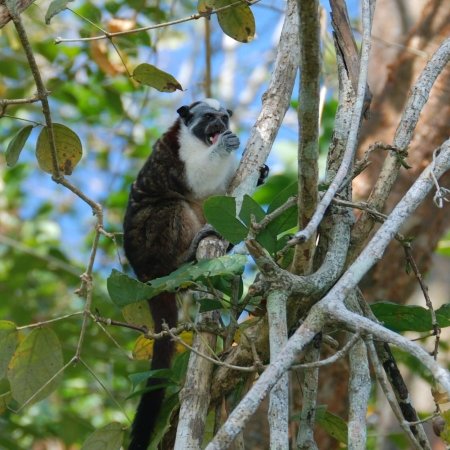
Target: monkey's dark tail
{"points": [[163, 308]]}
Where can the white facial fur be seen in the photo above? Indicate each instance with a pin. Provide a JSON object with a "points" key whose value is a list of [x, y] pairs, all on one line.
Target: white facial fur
{"points": [[208, 171], [212, 102]]}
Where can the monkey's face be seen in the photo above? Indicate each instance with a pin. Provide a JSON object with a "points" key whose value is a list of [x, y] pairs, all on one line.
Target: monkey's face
{"points": [[206, 120]]}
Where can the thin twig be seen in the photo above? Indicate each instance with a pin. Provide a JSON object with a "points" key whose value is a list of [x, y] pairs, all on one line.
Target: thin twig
{"points": [[108, 35], [34, 122], [111, 337], [46, 322], [212, 360], [429, 303], [42, 92], [4, 103], [259, 226], [333, 358], [150, 335], [105, 388]]}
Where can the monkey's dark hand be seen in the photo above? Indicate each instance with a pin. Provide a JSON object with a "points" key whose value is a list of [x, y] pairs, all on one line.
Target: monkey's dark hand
{"points": [[207, 230], [263, 174], [228, 141]]}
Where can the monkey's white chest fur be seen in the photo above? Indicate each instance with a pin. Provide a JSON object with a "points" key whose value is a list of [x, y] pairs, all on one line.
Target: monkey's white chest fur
{"points": [[208, 169]]}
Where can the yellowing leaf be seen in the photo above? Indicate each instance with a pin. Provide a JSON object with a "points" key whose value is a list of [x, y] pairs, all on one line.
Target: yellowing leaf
{"points": [[138, 314], [110, 437], [440, 395], [205, 6], [37, 359], [156, 78], [8, 343], [186, 336], [143, 348], [101, 55], [68, 149], [237, 22], [117, 24]]}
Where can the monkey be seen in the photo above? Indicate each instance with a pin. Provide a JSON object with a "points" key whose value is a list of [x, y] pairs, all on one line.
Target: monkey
{"points": [[193, 160]]}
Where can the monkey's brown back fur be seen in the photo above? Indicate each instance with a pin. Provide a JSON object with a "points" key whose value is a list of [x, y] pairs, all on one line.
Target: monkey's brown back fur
{"points": [[162, 218], [160, 223]]}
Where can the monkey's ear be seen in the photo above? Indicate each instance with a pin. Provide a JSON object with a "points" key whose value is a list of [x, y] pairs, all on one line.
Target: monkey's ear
{"points": [[183, 111], [230, 113]]}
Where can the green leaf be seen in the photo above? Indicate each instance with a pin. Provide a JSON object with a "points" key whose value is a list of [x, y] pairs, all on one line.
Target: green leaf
{"points": [[179, 367], [237, 22], [8, 344], [272, 188], [220, 212], [110, 437], [332, 424], [285, 222], [37, 359], [55, 7], [445, 433], [16, 145], [289, 191], [267, 237], [250, 207], [210, 304], [125, 290], [156, 78], [68, 149], [289, 218], [408, 317], [443, 315]]}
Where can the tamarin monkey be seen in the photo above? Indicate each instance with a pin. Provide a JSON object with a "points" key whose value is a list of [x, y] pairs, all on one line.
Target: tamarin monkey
{"points": [[192, 160]]}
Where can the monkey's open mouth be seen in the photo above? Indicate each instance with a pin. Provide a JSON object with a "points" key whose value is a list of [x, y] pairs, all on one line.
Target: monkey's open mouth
{"points": [[212, 138]]}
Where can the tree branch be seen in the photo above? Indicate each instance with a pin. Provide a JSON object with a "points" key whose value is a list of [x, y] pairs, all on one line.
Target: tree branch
{"points": [[310, 387], [279, 395], [403, 135], [276, 101], [331, 308], [196, 392], [107, 35], [308, 123], [381, 378], [359, 393], [309, 230], [5, 15]]}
